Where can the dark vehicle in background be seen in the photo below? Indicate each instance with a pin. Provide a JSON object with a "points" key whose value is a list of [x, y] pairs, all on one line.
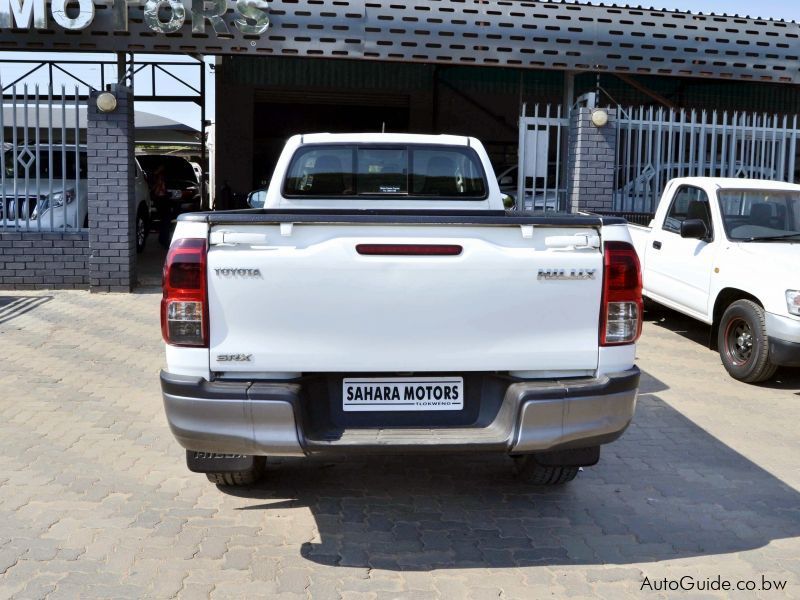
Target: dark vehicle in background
{"points": [[182, 186]]}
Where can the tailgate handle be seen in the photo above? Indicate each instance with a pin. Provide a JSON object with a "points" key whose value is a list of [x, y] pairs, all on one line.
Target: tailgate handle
{"points": [[579, 240], [220, 238]]}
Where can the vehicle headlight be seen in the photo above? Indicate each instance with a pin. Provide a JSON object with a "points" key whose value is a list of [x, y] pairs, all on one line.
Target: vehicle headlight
{"points": [[55, 200], [793, 302]]}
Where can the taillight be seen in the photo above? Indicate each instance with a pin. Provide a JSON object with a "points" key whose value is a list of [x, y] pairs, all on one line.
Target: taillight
{"points": [[621, 310], [184, 304]]}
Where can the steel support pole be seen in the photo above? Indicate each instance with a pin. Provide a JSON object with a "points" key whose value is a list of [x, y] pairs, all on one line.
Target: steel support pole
{"points": [[122, 63], [203, 157], [568, 101], [569, 92]]}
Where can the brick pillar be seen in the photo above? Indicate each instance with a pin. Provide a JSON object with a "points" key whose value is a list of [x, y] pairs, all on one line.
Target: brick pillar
{"points": [[110, 150], [590, 162]]}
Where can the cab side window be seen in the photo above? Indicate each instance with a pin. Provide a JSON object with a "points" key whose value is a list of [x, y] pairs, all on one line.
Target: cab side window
{"points": [[688, 203]]}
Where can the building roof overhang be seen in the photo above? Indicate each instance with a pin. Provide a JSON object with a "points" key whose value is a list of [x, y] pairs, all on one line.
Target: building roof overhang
{"points": [[520, 34]]}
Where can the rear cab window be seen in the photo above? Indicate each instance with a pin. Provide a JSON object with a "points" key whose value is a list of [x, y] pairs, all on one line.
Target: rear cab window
{"points": [[386, 171]]}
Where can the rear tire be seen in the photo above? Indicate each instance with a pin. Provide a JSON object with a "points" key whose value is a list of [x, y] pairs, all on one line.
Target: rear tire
{"points": [[248, 477], [528, 470], [743, 344]]}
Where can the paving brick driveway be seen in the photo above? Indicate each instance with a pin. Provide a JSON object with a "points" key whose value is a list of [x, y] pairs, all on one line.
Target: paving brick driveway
{"points": [[96, 501]]}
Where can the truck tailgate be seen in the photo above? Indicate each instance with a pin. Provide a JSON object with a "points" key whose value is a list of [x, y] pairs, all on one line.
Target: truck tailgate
{"points": [[301, 298]]}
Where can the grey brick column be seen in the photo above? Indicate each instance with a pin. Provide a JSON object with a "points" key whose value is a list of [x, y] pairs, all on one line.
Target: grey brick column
{"points": [[110, 149], [590, 162]]}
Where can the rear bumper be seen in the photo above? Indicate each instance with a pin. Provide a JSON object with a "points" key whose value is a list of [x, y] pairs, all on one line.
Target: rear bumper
{"points": [[265, 418]]}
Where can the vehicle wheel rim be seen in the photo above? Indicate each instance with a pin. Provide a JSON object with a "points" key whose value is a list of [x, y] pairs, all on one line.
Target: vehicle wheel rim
{"points": [[739, 341], [140, 231]]}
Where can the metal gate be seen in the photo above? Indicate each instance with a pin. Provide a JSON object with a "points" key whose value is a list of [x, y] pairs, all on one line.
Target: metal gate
{"points": [[656, 145], [43, 184], [540, 183]]}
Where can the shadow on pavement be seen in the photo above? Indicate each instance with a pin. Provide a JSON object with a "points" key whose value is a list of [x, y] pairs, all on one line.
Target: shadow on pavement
{"points": [[686, 327], [12, 307], [666, 490]]}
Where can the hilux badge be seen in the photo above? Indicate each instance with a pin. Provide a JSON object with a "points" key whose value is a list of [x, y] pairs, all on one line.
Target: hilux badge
{"points": [[567, 274]]}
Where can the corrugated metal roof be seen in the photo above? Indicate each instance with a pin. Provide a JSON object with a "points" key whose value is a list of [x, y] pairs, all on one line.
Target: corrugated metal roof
{"points": [[533, 34], [340, 74], [350, 76]]}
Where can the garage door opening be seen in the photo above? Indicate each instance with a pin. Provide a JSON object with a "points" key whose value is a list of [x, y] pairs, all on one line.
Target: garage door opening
{"points": [[279, 116]]}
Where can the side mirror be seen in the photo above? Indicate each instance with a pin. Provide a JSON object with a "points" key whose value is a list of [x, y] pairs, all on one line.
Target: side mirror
{"points": [[508, 202], [257, 199], [507, 180], [694, 229]]}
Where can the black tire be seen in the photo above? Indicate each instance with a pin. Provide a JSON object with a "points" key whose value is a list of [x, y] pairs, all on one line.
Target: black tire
{"points": [[528, 470], [248, 477], [142, 227], [742, 342]]}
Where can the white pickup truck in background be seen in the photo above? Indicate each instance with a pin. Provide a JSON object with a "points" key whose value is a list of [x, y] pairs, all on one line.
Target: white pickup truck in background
{"points": [[727, 252], [383, 301]]}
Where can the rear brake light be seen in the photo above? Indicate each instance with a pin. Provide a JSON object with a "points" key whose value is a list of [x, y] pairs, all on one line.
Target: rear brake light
{"points": [[621, 310], [409, 249], [184, 304]]}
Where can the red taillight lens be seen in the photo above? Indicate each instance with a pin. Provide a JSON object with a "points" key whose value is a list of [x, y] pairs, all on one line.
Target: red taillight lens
{"points": [[184, 304], [621, 311]]}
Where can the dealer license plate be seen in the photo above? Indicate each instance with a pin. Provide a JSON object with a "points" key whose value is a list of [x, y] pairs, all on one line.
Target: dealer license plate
{"points": [[362, 394]]}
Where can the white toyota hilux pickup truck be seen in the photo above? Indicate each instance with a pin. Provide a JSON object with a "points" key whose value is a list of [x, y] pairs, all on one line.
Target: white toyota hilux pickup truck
{"points": [[383, 301], [726, 252]]}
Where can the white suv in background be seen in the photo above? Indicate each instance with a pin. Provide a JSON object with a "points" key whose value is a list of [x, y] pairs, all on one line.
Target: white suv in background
{"points": [[55, 195]]}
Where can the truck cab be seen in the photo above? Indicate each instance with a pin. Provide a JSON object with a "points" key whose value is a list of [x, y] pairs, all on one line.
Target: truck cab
{"points": [[725, 252]]}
